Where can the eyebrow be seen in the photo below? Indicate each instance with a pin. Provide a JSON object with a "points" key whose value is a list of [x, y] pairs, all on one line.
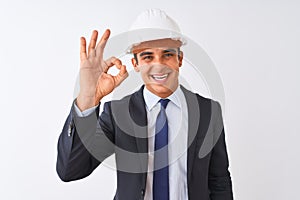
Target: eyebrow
{"points": [[146, 53], [151, 53], [169, 51]]}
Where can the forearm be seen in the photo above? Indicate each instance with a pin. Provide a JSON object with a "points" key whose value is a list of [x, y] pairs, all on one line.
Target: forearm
{"points": [[73, 159], [220, 184]]}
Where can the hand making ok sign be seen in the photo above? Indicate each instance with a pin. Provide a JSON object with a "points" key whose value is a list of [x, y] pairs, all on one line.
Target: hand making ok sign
{"points": [[95, 82]]}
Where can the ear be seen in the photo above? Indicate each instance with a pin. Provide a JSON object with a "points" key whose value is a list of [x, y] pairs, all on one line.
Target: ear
{"points": [[135, 65], [180, 58]]}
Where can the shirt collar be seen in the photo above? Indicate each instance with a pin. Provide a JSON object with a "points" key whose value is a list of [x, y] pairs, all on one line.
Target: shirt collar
{"points": [[151, 99]]}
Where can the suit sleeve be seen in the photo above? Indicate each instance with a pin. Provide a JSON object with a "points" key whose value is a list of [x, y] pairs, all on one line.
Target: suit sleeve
{"points": [[84, 143], [220, 184]]}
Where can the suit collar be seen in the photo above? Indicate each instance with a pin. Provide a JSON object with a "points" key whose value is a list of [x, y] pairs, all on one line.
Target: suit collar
{"points": [[151, 99]]}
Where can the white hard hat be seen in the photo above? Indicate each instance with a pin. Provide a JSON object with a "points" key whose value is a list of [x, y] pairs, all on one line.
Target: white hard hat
{"points": [[153, 24]]}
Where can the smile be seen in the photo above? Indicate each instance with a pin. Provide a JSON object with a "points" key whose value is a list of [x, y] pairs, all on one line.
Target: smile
{"points": [[160, 77]]}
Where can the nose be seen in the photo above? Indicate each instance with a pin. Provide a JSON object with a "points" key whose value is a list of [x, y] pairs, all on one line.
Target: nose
{"points": [[158, 59]]}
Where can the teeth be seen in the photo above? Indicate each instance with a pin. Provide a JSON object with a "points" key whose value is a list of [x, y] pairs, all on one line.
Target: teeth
{"points": [[160, 77]]}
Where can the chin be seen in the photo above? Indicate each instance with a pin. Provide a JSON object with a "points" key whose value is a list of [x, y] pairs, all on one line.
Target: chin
{"points": [[160, 90]]}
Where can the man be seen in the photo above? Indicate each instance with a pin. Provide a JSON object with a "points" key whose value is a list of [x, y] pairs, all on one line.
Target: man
{"points": [[158, 134]]}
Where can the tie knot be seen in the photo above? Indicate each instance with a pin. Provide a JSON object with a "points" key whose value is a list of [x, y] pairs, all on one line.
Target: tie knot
{"points": [[164, 102]]}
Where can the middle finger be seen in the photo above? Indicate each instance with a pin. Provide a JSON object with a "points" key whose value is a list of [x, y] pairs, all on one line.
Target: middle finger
{"points": [[93, 42]]}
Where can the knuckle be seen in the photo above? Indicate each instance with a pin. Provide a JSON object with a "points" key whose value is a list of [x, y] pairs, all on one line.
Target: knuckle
{"points": [[112, 58]]}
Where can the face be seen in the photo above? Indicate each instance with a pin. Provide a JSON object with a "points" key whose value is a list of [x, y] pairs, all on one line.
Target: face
{"points": [[158, 62]]}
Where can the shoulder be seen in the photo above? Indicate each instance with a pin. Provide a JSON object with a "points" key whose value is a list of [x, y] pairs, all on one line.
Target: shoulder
{"points": [[200, 98], [204, 103]]}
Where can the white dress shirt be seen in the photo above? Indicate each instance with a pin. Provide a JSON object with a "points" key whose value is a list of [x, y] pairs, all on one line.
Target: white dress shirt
{"points": [[177, 116]]}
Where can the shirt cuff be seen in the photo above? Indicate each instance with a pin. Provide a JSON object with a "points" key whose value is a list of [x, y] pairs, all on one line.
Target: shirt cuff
{"points": [[85, 112]]}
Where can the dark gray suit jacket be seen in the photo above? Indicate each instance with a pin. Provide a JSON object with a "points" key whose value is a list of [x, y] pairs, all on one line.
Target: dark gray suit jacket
{"points": [[122, 129]]}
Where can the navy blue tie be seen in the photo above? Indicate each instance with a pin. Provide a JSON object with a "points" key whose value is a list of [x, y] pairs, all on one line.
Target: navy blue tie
{"points": [[161, 158]]}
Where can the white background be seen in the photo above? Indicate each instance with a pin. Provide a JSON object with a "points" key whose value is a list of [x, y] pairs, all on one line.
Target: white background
{"points": [[254, 44]]}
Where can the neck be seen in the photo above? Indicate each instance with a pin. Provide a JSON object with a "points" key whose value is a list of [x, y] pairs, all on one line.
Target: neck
{"points": [[161, 92]]}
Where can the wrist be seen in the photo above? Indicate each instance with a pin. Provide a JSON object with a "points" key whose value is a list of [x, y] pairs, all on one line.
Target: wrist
{"points": [[85, 102]]}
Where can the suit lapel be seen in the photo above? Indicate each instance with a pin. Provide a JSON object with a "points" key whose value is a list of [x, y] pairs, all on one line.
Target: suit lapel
{"points": [[193, 126], [138, 114]]}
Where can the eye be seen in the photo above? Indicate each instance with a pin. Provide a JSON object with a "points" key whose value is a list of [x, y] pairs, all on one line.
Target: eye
{"points": [[168, 55], [147, 58]]}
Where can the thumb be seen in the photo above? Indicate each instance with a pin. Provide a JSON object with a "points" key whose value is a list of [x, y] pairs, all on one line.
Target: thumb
{"points": [[121, 76]]}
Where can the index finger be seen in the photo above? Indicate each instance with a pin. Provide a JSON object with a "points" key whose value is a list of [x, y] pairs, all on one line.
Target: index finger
{"points": [[112, 61], [101, 44]]}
